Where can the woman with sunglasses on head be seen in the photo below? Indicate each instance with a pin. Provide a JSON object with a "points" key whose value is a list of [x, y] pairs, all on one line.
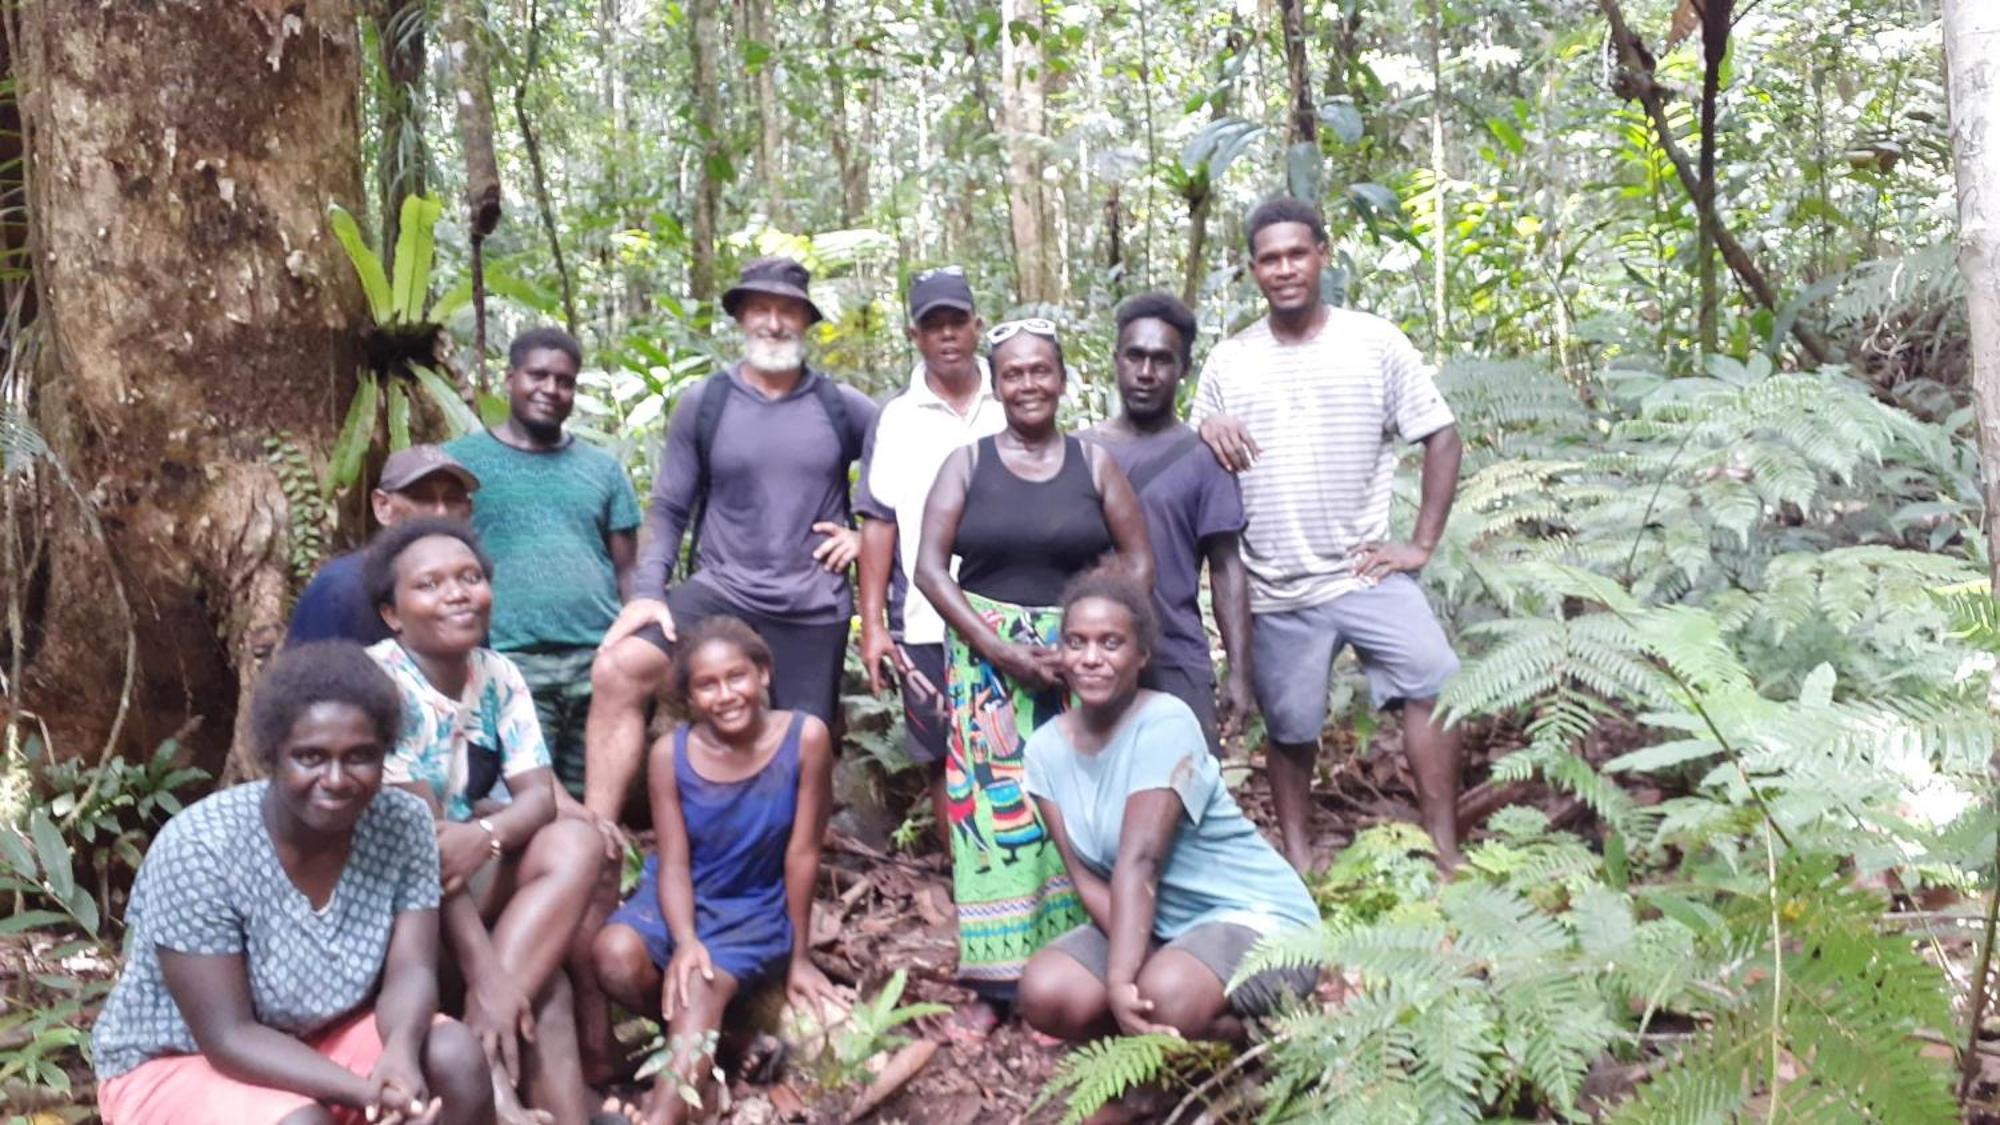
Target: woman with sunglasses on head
{"points": [[516, 876], [1024, 511]]}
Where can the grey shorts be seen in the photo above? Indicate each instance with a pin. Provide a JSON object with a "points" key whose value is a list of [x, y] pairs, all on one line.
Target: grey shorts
{"points": [[1221, 947], [1192, 686], [1402, 649], [806, 659]]}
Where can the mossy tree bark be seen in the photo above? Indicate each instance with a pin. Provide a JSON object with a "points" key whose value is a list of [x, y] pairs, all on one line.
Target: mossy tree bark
{"points": [[193, 305]]}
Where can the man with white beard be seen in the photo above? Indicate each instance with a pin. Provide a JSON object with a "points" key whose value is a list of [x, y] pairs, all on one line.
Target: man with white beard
{"points": [[756, 473]]}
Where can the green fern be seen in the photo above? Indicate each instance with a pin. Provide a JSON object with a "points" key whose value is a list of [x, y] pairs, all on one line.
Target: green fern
{"points": [[1096, 1073]]}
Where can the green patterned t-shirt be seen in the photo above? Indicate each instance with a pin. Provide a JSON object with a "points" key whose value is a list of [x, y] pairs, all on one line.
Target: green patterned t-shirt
{"points": [[544, 518]]}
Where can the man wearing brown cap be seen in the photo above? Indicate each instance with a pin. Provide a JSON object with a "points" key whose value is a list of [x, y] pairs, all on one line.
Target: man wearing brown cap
{"points": [[755, 470], [422, 480]]}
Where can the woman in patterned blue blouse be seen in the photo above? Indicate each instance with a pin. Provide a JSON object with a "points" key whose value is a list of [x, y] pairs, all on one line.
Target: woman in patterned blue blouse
{"points": [[518, 867], [281, 942]]}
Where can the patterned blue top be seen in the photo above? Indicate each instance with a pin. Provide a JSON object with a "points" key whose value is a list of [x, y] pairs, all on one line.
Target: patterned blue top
{"points": [[211, 884], [494, 722]]}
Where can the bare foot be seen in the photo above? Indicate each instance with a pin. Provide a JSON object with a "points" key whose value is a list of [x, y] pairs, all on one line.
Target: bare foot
{"points": [[507, 1107], [970, 1025]]}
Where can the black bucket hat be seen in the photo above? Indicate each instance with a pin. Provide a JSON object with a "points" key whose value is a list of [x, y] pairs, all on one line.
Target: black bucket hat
{"points": [[781, 276]]}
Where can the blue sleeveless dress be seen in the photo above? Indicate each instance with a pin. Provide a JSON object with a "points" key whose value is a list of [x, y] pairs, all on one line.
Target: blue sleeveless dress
{"points": [[737, 834]]}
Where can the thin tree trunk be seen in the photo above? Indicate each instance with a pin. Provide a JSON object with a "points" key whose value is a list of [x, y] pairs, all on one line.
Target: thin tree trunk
{"points": [[1302, 120], [1199, 193], [402, 165], [847, 162], [1972, 57], [770, 115], [1440, 234], [1715, 20], [465, 43], [704, 29], [1635, 80], [160, 393], [1022, 128], [540, 178]]}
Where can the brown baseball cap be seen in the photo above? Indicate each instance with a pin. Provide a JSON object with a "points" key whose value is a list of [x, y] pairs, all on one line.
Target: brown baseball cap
{"points": [[406, 467], [784, 277]]}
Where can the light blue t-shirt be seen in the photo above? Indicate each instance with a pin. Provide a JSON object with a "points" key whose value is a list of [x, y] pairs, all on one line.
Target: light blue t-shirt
{"points": [[1220, 870]]}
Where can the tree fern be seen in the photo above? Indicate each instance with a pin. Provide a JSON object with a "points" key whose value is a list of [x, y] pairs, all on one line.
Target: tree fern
{"points": [[1096, 1073]]}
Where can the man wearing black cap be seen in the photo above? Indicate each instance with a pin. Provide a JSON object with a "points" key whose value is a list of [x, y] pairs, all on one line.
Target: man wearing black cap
{"points": [[755, 469], [947, 405], [422, 480]]}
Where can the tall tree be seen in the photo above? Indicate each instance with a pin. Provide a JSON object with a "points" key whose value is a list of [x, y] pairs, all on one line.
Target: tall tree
{"points": [[402, 160], [194, 305], [849, 158], [1302, 116], [770, 113], [1972, 59], [472, 74], [704, 38], [1716, 17], [1023, 128]]}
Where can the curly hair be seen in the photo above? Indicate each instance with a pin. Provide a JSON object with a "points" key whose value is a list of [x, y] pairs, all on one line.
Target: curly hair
{"points": [[1162, 307], [1282, 209], [719, 629], [378, 566], [321, 672], [1112, 584], [543, 339]]}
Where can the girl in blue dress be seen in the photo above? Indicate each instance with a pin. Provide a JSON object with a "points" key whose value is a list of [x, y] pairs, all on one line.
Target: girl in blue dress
{"points": [[740, 799]]}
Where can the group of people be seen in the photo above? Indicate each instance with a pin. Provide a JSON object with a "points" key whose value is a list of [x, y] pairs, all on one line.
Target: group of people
{"points": [[459, 717]]}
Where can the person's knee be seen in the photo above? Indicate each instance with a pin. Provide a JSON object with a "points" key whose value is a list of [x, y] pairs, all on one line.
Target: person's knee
{"points": [[1185, 995], [454, 1064], [1059, 997], [625, 673], [624, 969], [570, 849]]}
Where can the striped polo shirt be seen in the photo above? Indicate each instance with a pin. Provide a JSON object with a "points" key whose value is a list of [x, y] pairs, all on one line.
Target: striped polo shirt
{"points": [[1325, 412]]}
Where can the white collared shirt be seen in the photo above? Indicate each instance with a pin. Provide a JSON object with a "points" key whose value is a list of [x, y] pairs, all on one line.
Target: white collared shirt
{"points": [[913, 435]]}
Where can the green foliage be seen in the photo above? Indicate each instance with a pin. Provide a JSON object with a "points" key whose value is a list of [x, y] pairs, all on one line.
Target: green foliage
{"points": [[840, 1059], [1096, 1073], [307, 515]]}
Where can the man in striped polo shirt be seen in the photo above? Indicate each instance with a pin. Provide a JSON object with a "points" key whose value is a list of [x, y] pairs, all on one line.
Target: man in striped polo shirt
{"points": [[1306, 405]]}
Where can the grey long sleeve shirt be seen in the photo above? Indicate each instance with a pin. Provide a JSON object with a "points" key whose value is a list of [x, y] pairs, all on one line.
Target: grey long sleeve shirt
{"points": [[775, 469]]}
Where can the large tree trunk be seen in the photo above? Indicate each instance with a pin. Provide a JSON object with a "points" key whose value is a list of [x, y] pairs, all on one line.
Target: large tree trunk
{"points": [[704, 40], [1972, 58], [1022, 126], [193, 305]]}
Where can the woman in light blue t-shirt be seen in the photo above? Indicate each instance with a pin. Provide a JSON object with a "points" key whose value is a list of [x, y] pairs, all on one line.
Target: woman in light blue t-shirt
{"points": [[1178, 885]]}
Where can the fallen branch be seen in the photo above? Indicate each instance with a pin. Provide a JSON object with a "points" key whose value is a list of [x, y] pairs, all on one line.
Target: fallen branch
{"points": [[901, 1067], [1198, 1096]]}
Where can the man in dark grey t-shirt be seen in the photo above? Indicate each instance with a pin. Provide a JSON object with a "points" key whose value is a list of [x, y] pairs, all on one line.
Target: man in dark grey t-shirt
{"points": [[1194, 513], [756, 469]]}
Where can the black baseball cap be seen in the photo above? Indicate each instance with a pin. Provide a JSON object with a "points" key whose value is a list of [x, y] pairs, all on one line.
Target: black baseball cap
{"points": [[944, 287], [406, 467]]}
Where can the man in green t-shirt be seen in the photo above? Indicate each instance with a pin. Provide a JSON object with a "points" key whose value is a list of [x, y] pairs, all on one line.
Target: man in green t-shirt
{"points": [[561, 522]]}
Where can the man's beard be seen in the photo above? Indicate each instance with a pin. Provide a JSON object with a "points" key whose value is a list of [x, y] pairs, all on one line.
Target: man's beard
{"points": [[774, 354]]}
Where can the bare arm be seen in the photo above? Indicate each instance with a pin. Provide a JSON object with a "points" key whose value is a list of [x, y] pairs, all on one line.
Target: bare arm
{"points": [[1443, 450], [623, 546], [408, 999], [1152, 817], [878, 555], [676, 881], [213, 994], [1122, 514], [1229, 583], [802, 853], [1092, 890]]}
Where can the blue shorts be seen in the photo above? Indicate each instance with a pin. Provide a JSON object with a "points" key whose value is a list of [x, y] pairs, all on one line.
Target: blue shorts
{"points": [[1402, 649]]}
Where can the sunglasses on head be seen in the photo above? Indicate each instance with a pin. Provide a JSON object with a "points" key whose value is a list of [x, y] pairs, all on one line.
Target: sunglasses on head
{"points": [[1033, 325]]}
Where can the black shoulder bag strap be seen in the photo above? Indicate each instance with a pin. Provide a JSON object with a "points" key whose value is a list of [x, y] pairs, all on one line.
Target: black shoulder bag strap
{"points": [[707, 419], [830, 400], [1146, 473]]}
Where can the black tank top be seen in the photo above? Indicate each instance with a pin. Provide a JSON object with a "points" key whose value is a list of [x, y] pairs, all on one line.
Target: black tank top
{"points": [[1021, 540]]}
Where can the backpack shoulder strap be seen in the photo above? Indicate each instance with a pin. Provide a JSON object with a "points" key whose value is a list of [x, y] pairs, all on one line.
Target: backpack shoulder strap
{"points": [[835, 405], [707, 419]]}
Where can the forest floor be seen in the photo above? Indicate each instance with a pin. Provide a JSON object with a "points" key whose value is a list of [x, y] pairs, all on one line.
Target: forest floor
{"points": [[878, 912]]}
